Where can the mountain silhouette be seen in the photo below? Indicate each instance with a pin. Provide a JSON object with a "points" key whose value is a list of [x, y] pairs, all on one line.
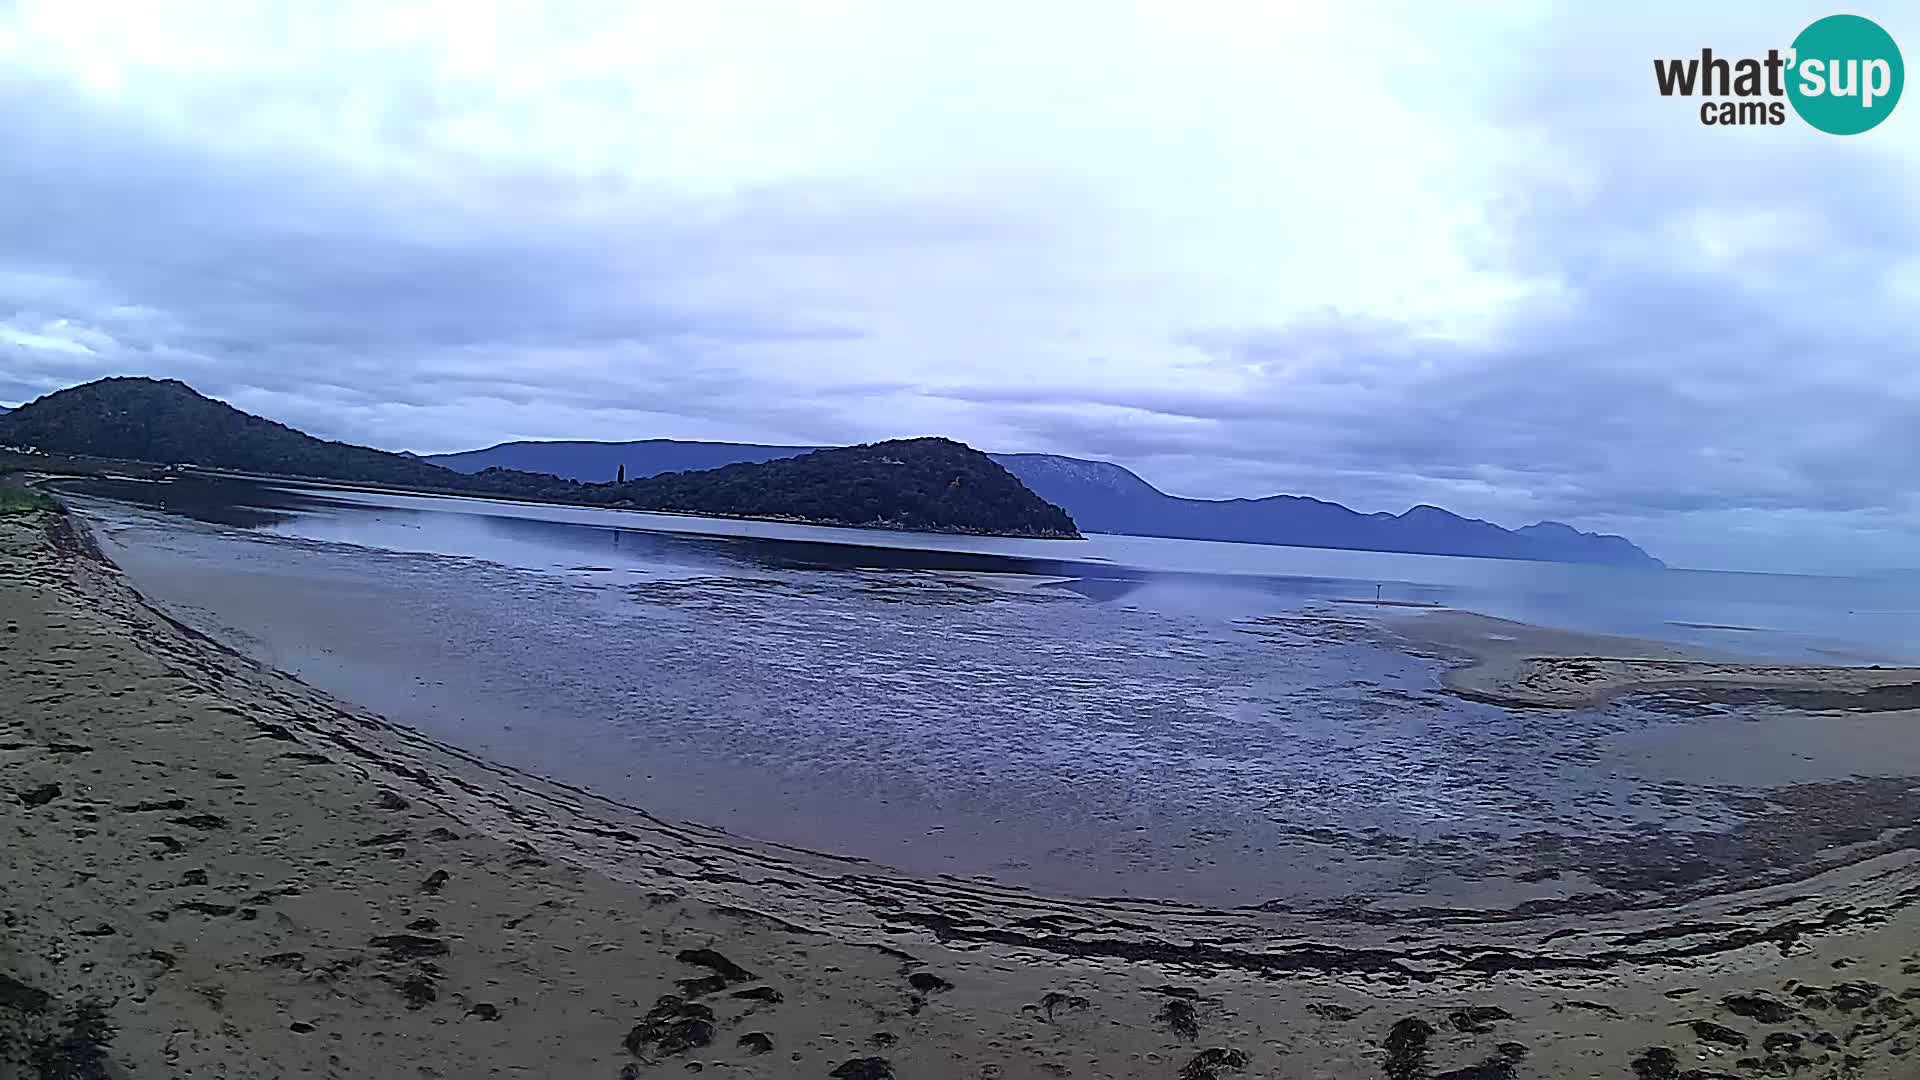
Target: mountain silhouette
{"points": [[1104, 497], [929, 484]]}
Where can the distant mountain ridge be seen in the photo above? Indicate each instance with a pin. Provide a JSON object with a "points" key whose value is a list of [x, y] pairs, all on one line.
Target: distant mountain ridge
{"points": [[591, 462], [1104, 497], [930, 484]]}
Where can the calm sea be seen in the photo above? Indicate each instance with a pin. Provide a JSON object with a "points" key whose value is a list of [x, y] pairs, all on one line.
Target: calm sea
{"points": [[1182, 719]]}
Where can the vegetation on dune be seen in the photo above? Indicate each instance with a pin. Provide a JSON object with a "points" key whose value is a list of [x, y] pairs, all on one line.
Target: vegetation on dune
{"points": [[42, 1041], [931, 484], [77, 1050], [15, 500]]}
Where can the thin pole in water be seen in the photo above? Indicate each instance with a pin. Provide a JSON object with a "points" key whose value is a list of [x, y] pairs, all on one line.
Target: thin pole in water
{"points": [[1376, 591]]}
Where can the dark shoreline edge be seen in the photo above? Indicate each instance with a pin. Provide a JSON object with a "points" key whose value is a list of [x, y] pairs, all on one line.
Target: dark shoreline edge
{"points": [[70, 530], [154, 472]]}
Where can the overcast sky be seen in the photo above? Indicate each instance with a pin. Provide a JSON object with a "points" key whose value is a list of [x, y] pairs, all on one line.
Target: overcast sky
{"points": [[1383, 255]]}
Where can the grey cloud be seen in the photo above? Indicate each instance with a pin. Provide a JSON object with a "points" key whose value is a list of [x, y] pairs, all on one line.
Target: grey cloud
{"points": [[1660, 387], [251, 254], [291, 282], [1654, 388]]}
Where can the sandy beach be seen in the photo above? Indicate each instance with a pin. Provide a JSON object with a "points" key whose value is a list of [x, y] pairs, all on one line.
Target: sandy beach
{"points": [[213, 870], [1533, 667]]}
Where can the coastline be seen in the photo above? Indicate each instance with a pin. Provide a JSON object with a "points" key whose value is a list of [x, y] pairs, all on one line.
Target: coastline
{"points": [[293, 885], [148, 472], [1522, 666]]}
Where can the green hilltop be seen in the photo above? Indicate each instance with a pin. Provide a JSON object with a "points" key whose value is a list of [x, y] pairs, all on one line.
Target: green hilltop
{"points": [[927, 484]]}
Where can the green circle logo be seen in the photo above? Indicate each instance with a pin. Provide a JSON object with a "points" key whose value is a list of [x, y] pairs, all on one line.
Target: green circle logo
{"points": [[1846, 76]]}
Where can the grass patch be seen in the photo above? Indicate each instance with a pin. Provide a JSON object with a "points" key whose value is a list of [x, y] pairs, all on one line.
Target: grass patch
{"points": [[15, 500]]}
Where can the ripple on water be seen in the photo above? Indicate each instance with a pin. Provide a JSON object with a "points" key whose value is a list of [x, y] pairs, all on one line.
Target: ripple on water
{"points": [[944, 725]]}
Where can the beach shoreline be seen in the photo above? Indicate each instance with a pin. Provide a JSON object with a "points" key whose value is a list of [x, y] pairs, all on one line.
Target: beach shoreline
{"points": [[335, 895], [1502, 662]]}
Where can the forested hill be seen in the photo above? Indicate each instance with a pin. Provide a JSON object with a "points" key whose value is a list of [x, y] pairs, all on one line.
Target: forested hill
{"points": [[929, 484], [168, 422], [932, 484], [1106, 498]]}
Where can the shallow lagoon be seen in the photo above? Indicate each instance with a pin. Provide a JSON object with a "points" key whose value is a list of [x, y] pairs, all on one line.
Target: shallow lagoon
{"points": [[1117, 716]]}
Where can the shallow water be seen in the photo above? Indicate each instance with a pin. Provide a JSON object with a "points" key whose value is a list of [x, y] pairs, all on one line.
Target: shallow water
{"points": [[1088, 723]]}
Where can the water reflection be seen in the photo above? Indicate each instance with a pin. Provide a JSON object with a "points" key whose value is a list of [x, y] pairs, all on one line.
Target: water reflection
{"points": [[1150, 719], [217, 504], [1823, 619]]}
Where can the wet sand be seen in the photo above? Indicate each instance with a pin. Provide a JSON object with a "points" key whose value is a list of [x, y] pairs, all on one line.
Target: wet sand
{"points": [[254, 880], [1513, 664], [1184, 744]]}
